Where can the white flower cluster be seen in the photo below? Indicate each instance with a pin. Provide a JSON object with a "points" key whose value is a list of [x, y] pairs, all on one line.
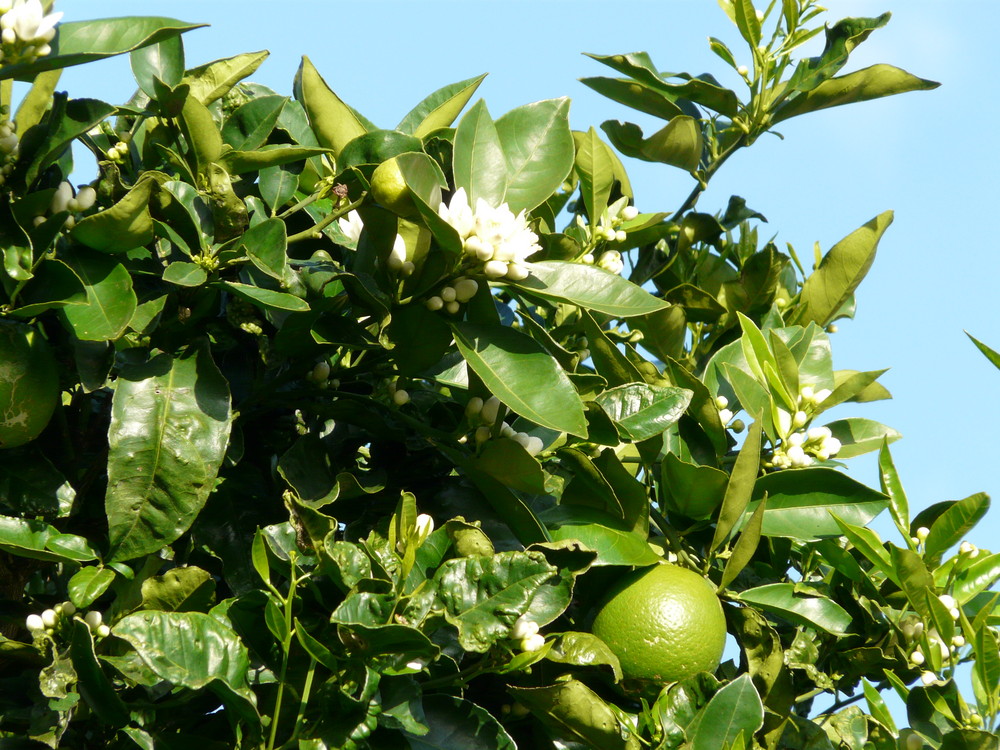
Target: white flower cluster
{"points": [[494, 236], [486, 413], [726, 415], [526, 632], [948, 651], [51, 619], [608, 229], [803, 448], [452, 296], [25, 31]]}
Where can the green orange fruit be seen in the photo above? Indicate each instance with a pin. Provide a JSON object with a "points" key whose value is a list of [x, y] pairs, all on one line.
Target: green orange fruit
{"points": [[29, 384], [664, 623], [389, 189]]}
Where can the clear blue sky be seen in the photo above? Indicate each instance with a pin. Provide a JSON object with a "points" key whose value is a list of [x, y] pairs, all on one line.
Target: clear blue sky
{"points": [[930, 156]]}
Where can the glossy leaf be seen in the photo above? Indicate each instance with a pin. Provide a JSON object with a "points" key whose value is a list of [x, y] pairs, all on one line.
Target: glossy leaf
{"points": [[37, 540], [638, 96], [613, 541], [740, 488], [800, 502], [334, 122], [189, 649], [975, 577], [110, 299], [83, 41], [596, 170], [590, 287], [482, 596], [858, 436], [539, 148], [840, 272], [377, 146], [88, 584], [733, 711], [692, 491], [892, 487], [583, 650], [577, 712], [163, 61], [642, 411], [522, 375], [958, 519], [266, 298], [213, 80], [67, 121], [479, 162], [122, 227], [454, 722], [815, 611], [508, 462], [745, 547], [240, 162], [170, 422], [874, 82], [250, 124], [94, 686], [185, 589], [678, 143], [440, 109], [989, 353]]}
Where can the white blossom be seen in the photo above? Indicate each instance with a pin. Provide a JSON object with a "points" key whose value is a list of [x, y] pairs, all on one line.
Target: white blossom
{"points": [[34, 622], [533, 642], [351, 225], [523, 628], [629, 213]]}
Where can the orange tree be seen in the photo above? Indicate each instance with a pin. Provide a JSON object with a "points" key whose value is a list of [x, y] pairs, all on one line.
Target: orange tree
{"points": [[344, 458]]}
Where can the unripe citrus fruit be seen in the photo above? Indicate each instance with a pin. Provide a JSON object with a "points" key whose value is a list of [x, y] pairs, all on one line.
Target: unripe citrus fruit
{"points": [[664, 623], [390, 190], [29, 384]]}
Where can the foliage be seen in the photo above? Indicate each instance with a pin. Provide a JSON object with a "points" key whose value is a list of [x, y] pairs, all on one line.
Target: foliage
{"points": [[325, 476]]}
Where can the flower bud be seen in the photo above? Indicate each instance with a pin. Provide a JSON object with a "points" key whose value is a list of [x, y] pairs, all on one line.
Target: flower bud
{"points": [[588, 258], [738, 426], [507, 431], [967, 548], [400, 397], [917, 658], [473, 408], [61, 198], [67, 608], [799, 419], [320, 372], [928, 678], [534, 445], [466, 289], [495, 269], [517, 272], [721, 402], [473, 245], [725, 416], [434, 303], [922, 533], [533, 642], [448, 294], [620, 235], [822, 395], [490, 410], [93, 619], [416, 664], [34, 623], [958, 641], [103, 631], [796, 438], [423, 526], [947, 600], [743, 70], [49, 618], [629, 213], [482, 434], [523, 628]]}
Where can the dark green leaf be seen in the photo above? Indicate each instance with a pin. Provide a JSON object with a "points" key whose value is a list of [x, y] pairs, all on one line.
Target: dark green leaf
{"points": [[266, 298], [613, 541], [522, 375], [170, 425], [951, 526], [88, 583], [457, 723], [740, 488], [480, 165], [250, 124], [815, 611], [214, 80], [990, 354], [690, 490], [187, 589], [26, 537], [589, 287], [678, 143], [733, 711], [334, 123], [858, 435], [183, 273], [538, 145], [440, 109], [94, 686], [642, 411], [163, 61]]}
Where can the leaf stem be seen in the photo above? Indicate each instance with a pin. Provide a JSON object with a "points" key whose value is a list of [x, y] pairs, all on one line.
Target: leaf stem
{"points": [[327, 220]]}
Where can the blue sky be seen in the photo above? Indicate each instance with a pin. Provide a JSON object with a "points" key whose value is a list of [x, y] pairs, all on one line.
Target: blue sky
{"points": [[930, 156]]}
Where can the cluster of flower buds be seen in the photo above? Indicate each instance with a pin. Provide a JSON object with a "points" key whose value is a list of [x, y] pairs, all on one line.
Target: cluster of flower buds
{"points": [[608, 228], [397, 258], [51, 620], [320, 375], [947, 651], [493, 236], [803, 448], [449, 298], [25, 31], [118, 151], [9, 145], [64, 200], [726, 415], [525, 631], [486, 413]]}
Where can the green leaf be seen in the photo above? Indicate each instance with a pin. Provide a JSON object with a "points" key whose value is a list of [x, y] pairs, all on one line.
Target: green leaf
{"points": [[614, 541], [678, 143], [740, 488], [990, 354], [377, 146], [578, 713], [214, 80], [958, 519], [877, 707], [782, 600], [595, 166], [83, 41], [110, 299], [94, 686], [539, 149], [37, 101], [840, 272], [479, 162], [278, 185], [642, 411], [457, 723], [483, 596], [638, 96], [892, 487], [583, 650], [266, 298], [590, 287], [334, 123], [250, 124], [690, 490], [88, 583], [522, 375], [800, 502], [188, 649], [746, 21], [37, 540], [163, 61], [170, 423], [975, 577], [874, 82], [66, 121], [858, 435], [123, 227], [187, 589], [272, 155], [745, 546], [736, 710], [440, 109], [913, 578], [508, 462], [185, 274]]}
